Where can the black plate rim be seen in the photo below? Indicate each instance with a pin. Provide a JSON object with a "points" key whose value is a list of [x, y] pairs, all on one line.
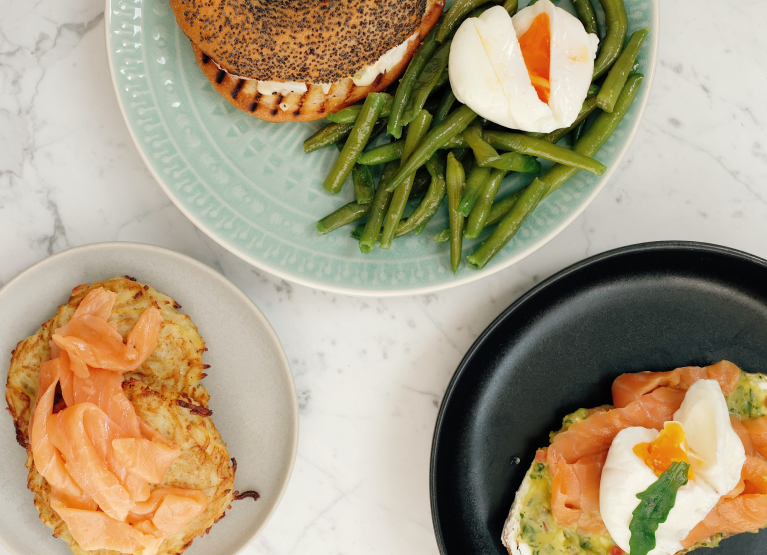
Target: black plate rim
{"points": [[639, 248]]}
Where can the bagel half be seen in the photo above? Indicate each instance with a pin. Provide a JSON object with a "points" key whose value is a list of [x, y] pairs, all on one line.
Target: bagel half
{"points": [[322, 43]]}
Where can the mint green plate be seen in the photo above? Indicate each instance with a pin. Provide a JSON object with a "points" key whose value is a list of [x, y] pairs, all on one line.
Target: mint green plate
{"points": [[250, 187]]}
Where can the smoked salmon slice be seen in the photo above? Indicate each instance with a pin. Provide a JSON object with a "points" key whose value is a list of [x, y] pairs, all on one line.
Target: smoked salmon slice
{"points": [[169, 510], [744, 513], [575, 494], [595, 434], [96, 343], [105, 390], [757, 432], [144, 458], [83, 462], [95, 530], [98, 302], [739, 428], [630, 387], [48, 460], [97, 455]]}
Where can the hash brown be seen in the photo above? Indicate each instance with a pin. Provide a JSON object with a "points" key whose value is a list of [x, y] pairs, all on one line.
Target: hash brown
{"points": [[165, 391]]}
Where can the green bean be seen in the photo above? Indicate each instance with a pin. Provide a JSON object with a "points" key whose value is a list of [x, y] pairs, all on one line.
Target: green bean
{"points": [[350, 113], [468, 161], [456, 182], [432, 103], [430, 203], [593, 90], [344, 215], [356, 233], [414, 68], [577, 131], [382, 154], [456, 142], [511, 6], [364, 189], [478, 216], [421, 182], [584, 9], [589, 105], [596, 135], [616, 27], [355, 144], [483, 152], [513, 161], [476, 12], [416, 131], [509, 225], [442, 80], [327, 136], [380, 205], [443, 236], [535, 135], [445, 105], [543, 149], [426, 82], [455, 123], [477, 179], [501, 208], [455, 15], [497, 212], [378, 129], [460, 153], [615, 80]]}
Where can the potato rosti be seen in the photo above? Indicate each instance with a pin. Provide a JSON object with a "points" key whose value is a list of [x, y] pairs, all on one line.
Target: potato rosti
{"points": [[164, 391]]}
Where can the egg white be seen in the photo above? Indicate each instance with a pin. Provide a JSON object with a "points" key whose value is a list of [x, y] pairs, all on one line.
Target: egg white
{"points": [[707, 427], [716, 457], [488, 73], [625, 475], [572, 59]]}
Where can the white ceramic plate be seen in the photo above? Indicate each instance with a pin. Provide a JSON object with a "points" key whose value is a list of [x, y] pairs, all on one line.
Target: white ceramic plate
{"points": [[249, 185], [251, 386]]}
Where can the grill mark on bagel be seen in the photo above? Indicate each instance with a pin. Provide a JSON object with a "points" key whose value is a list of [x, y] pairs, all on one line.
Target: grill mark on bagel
{"points": [[205, 58], [220, 76], [254, 104], [301, 100], [237, 87]]}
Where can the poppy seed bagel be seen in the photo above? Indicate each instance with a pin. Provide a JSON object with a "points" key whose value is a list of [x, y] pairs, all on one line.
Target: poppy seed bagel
{"points": [[322, 43]]}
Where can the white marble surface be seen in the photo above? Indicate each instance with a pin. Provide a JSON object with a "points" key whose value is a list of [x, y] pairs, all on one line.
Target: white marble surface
{"points": [[371, 373]]}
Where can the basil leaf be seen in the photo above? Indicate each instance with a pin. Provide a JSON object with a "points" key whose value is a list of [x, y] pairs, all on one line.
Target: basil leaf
{"points": [[656, 503]]}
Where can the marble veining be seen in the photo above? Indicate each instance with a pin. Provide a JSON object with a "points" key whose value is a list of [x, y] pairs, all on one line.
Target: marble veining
{"points": [[370, 373]]}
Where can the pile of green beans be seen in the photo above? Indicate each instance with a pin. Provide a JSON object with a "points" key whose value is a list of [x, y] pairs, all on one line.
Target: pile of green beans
{"points": [[448, 152]]}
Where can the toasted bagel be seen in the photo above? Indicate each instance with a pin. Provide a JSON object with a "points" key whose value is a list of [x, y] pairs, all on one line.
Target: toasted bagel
{"points": [[298, 40], [334, 61]]}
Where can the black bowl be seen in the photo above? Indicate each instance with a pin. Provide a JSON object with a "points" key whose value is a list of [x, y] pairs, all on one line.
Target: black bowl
{"points": [[654, 306]]}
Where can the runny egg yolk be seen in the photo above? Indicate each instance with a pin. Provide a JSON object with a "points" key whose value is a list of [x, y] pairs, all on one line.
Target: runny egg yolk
{"points": [[668, 448], [535, 44]]}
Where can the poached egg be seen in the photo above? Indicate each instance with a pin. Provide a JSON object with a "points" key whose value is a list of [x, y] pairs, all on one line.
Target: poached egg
{"points": [[700, 434], [530, 72]]}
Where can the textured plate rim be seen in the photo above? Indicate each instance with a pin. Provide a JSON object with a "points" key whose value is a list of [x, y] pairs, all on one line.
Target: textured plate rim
{"points": [[245, 300], [471, 277], [639, 248]]}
